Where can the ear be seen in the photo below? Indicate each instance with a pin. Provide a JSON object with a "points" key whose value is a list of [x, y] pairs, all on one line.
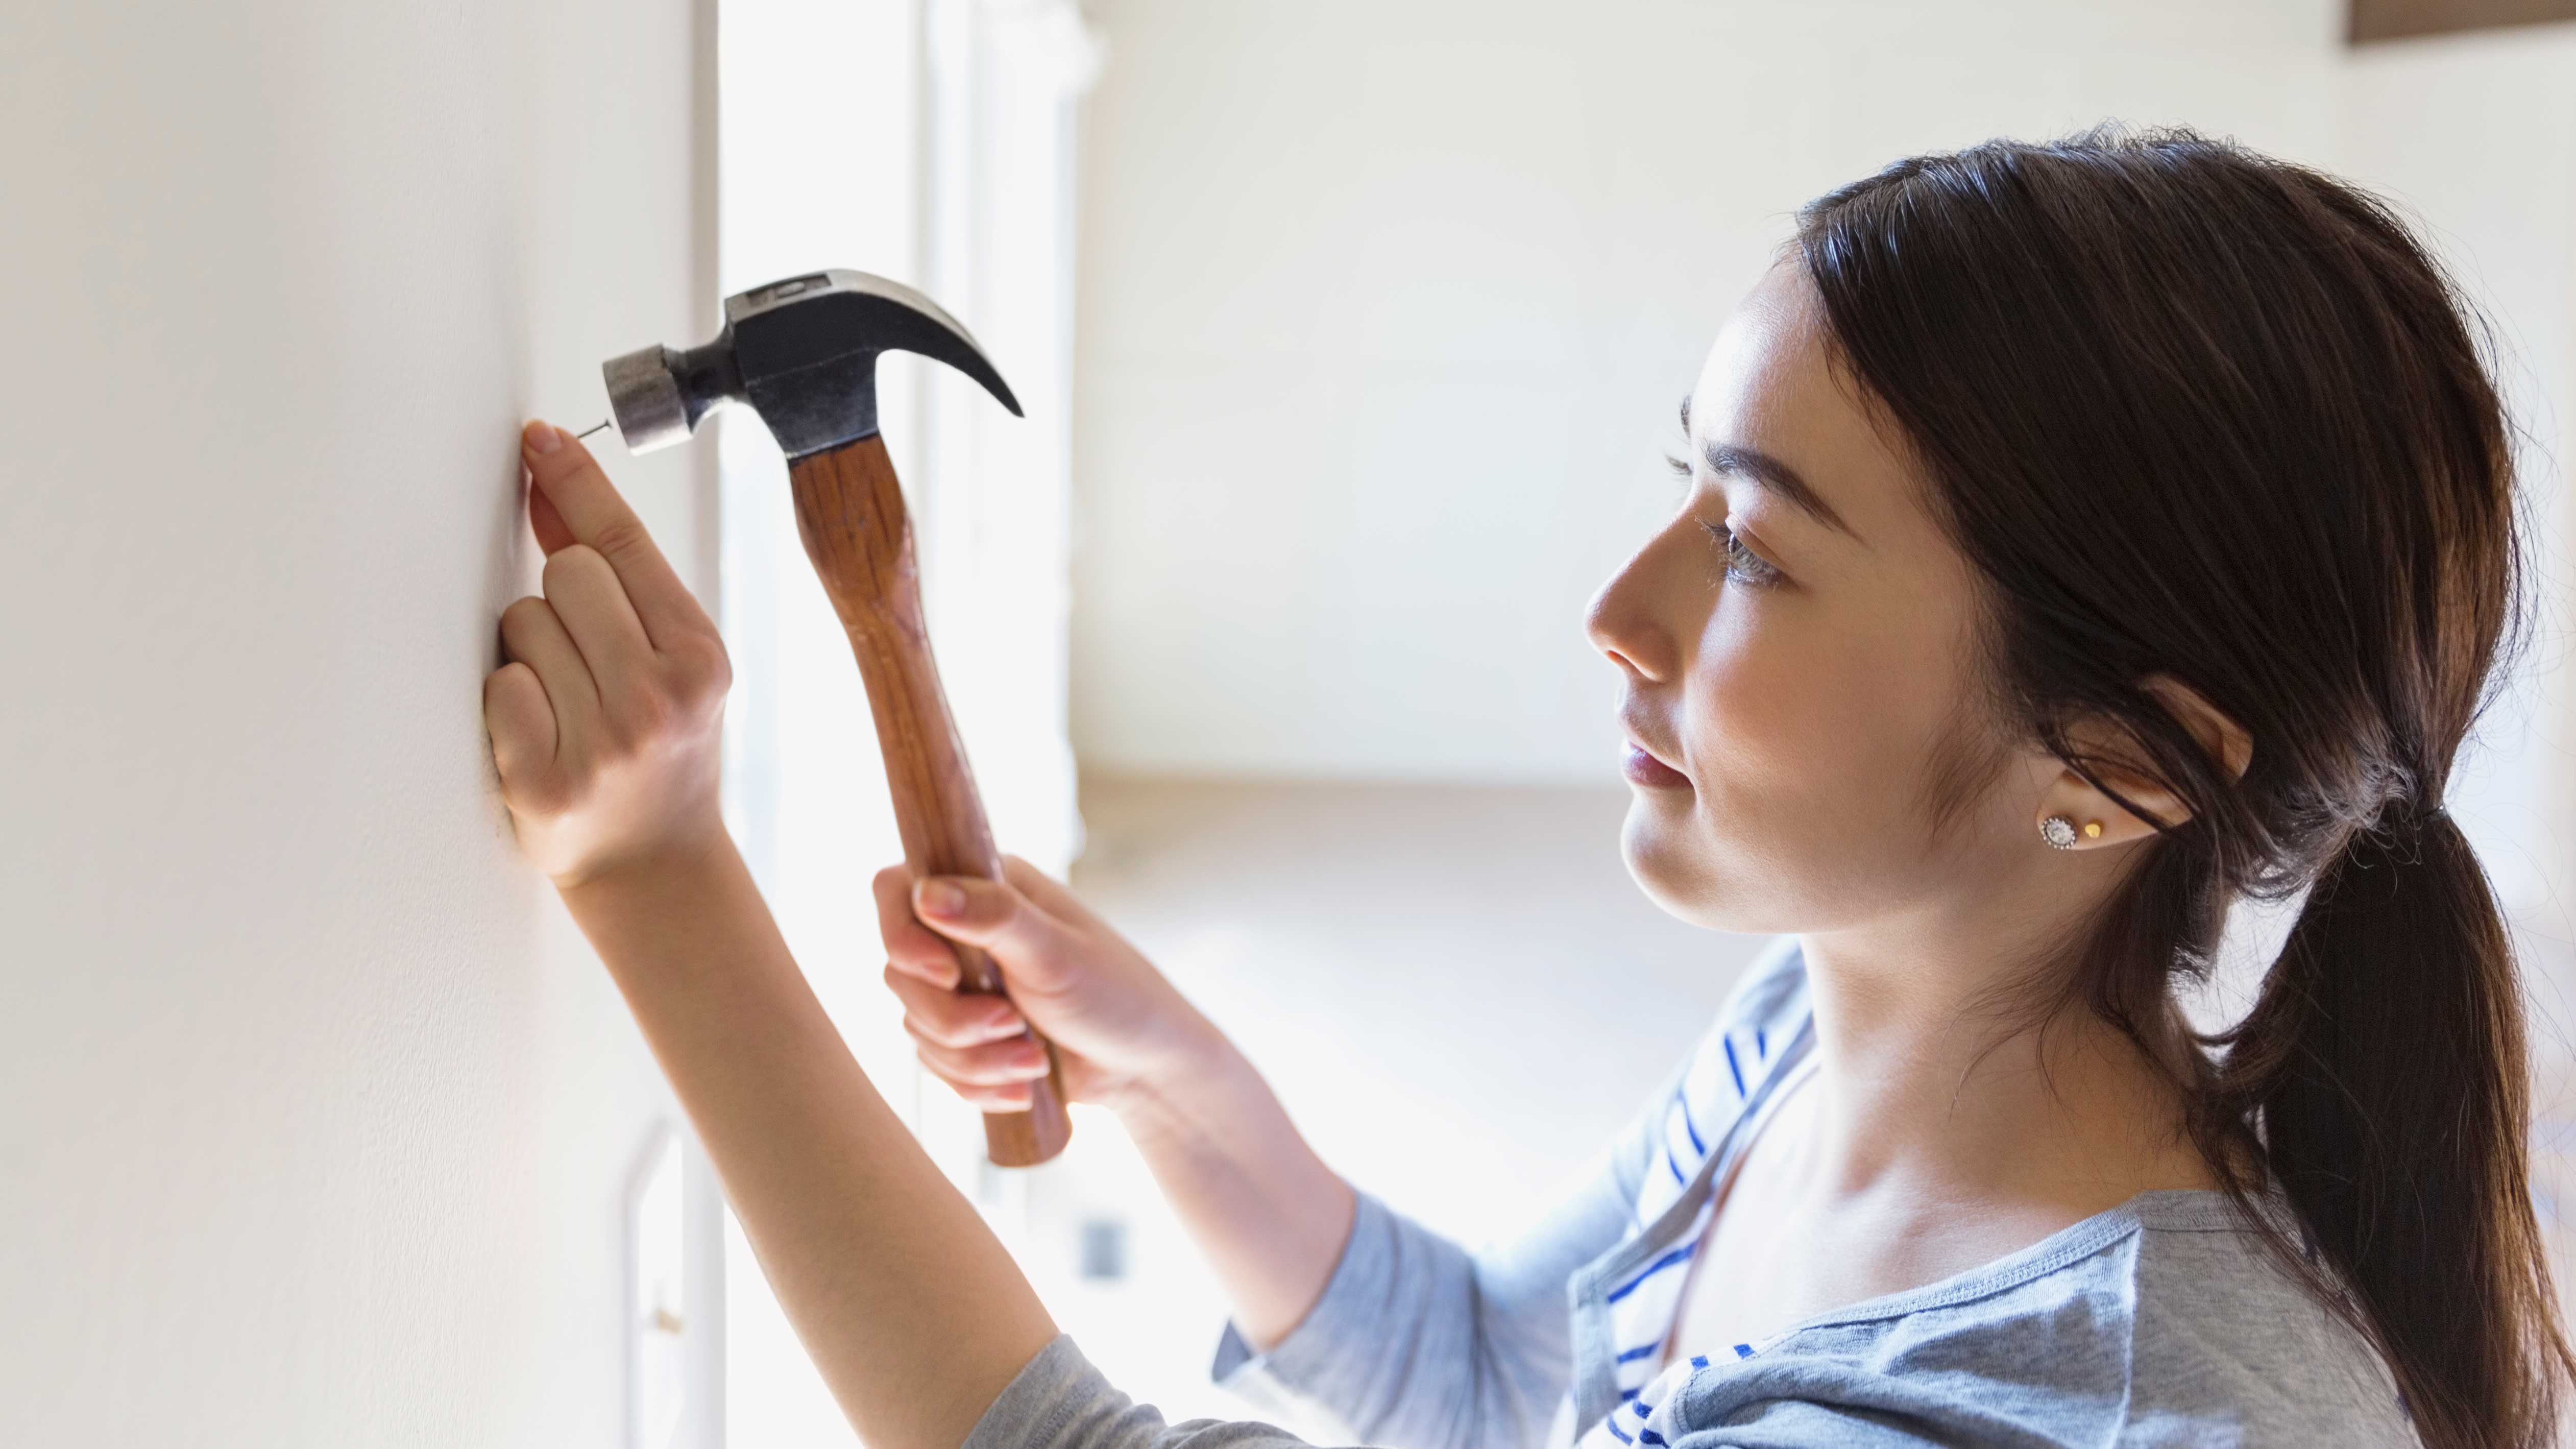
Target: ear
{"points": [[2102, 821]]}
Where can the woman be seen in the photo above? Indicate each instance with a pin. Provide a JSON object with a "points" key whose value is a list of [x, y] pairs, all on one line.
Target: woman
{"points": [[2076, 537]]}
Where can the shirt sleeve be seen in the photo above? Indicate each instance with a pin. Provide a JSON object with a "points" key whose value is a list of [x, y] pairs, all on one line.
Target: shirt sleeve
{"points": [[1059, 1400]]}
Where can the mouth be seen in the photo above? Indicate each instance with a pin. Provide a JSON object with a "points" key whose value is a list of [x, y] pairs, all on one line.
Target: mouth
{"points": [[1643, 767]]}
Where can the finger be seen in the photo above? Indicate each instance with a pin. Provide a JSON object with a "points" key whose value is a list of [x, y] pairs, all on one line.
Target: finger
{"points": [[595, 610], [553, 534], [1013, 1097], [521, 722], [910, 945], [593, 512], [992, 915], [953, 1019], [999, 1064], [533, 635], [1051, 895]]}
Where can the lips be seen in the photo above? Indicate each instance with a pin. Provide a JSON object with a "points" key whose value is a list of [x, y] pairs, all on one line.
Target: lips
{"points": [[1644, 767]]}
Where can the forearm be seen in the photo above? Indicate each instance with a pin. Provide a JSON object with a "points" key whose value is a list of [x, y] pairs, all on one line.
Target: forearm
{"points": [[1270, 1217], [915, 1315]]}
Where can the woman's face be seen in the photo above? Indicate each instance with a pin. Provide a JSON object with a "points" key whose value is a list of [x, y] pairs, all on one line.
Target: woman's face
{"points": [[1798, 699]]}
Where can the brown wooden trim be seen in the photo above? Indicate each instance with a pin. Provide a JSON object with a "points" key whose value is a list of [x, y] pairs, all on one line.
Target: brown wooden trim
{"points": [[2397, 19]]}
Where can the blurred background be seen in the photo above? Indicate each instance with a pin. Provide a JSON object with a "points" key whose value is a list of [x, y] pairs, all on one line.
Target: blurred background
{"points": [[1350, 335], [1357, 331]]}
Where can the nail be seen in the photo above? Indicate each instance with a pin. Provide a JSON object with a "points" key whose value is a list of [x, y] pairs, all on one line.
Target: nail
{"points": [[941, 898], [543, 438]]}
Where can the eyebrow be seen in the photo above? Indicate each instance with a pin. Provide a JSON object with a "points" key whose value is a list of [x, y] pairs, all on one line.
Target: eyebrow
{"points": [[1771, 473]]}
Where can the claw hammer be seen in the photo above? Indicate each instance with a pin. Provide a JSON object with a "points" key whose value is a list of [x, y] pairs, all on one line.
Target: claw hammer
{"points": [[802, 352]]}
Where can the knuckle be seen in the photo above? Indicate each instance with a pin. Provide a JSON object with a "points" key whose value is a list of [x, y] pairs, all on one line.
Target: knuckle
{"points": [[522, 616], [619, 537], [645, 714], [701, 673], [640, 716], [541, 792], [566, 563]]}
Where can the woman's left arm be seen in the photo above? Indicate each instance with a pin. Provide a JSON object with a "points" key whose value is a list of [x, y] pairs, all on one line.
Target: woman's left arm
{"points": [[604, 723], [916, 1316]]}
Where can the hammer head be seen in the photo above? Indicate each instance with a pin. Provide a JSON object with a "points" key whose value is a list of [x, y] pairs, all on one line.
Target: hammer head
{"points": [[802, 352]]}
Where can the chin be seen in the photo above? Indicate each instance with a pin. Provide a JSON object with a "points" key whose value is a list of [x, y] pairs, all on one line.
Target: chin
{"points": [[1675, 874]]}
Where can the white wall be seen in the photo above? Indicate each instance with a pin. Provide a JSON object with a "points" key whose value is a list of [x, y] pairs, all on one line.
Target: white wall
{"points": [[2476, 135], [1386, 309], [318, 1115]]}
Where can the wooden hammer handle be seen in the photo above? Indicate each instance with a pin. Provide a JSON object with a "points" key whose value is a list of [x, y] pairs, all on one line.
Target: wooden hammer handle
{"points": [[849, 510]]}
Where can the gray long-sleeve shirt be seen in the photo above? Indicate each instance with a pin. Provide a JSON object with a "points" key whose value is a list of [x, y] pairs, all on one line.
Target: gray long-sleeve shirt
{"points": [[2160, 1322]]}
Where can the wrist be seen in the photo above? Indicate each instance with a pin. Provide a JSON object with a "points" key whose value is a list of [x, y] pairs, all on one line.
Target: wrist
{"points": [[1183, 1084], [693, 851]]}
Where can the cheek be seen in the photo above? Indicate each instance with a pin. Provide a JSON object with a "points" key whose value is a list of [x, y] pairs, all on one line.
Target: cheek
{"points": [[1807, 739]]}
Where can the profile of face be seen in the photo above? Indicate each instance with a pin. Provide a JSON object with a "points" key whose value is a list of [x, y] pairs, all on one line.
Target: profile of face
{"points": [[1798, 649]]}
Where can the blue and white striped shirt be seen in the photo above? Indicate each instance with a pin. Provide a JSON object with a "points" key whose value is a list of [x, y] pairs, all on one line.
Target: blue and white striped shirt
{"points": [[2159, 1322]]}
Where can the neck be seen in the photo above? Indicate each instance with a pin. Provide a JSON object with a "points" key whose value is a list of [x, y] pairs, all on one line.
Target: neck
{"points": [[1936, 1086]]}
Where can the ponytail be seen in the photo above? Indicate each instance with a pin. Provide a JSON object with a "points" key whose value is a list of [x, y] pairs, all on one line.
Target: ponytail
{"points": [[2385, 1062]]}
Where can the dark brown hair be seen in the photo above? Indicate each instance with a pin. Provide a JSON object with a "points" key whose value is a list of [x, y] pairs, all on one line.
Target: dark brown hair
{"points": [[2195, 412]]}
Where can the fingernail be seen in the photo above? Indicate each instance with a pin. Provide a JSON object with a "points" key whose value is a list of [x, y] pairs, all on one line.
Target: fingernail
{"points": [[543, 438], [940, 898]]}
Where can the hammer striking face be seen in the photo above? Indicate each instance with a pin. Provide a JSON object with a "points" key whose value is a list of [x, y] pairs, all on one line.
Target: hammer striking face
{"points": [[802, 353]]}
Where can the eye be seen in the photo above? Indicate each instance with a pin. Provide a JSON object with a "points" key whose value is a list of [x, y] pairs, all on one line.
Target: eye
{"points": [[1743, 565]]}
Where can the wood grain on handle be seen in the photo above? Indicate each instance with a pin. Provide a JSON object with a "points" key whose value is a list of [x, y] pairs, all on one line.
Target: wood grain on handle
{"points": [[849, 510]]}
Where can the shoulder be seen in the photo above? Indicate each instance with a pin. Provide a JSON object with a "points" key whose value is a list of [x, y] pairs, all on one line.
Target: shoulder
{"points": [[2156, 1325], [2220, 1324]]}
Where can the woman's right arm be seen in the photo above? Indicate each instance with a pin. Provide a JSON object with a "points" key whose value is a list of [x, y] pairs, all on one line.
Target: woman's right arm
{"points": [[1268, 1215], [1364, 1324]]}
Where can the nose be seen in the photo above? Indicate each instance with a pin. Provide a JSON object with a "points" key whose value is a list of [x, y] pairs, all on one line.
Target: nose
{"points": [[1620, 625]]}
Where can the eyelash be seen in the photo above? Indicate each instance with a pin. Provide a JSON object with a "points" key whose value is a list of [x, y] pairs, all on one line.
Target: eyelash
{"points": [[1756, 571], [1743, 565]]}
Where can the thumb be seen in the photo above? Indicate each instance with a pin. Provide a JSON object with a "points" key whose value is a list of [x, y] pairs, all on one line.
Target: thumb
{"points": [[1025, 940]]}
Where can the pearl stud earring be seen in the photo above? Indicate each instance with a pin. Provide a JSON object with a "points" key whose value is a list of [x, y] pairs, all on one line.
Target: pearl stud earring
{"points": [[2058, 831]]}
